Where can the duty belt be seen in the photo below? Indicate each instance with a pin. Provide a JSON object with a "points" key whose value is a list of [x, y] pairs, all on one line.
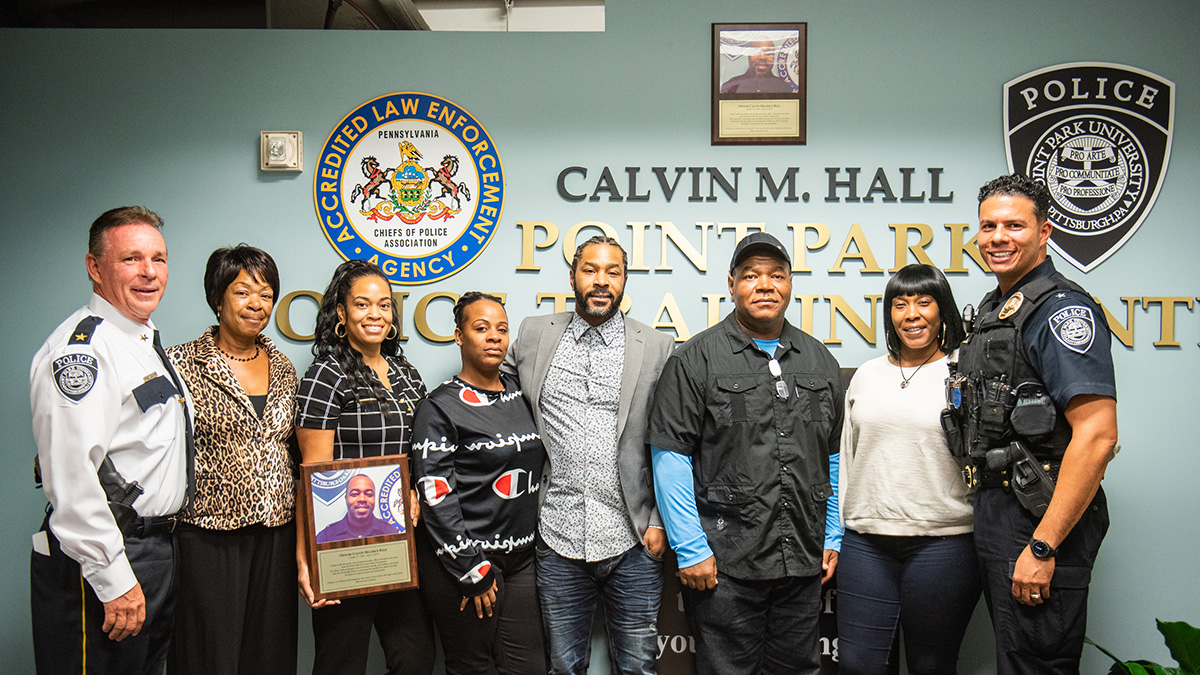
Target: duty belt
{"points": [[987, 479], [148, 526]]}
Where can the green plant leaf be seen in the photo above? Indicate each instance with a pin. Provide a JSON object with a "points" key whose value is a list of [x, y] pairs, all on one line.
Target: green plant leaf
{"points": [[1143, 667], [1183, 640]]}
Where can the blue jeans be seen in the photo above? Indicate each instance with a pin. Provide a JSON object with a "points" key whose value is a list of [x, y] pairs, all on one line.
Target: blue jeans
{"points": [[748, 626], [929, 586], [629, 585]]}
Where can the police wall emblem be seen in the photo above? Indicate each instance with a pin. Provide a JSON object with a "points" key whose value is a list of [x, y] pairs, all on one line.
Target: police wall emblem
{"points": [[411, 182], [75, 375], [1099, 136], [1074, 327]]}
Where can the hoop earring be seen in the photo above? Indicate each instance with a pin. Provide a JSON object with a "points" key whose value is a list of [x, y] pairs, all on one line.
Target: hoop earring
{"points": [[335, 327], [941, 339], [393, 335]]}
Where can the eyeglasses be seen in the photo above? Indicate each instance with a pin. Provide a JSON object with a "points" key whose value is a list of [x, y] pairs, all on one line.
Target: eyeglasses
{"points": [[781, 388]]}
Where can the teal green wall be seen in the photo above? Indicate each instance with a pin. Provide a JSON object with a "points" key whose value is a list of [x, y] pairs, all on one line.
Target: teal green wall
{"points": [[170, 119]]}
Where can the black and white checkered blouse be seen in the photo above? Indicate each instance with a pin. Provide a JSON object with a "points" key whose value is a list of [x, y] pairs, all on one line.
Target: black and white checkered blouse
{"points": [[326, 401]]}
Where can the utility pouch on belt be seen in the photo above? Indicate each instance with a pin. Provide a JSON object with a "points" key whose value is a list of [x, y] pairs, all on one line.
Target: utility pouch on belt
{"points": [[952, 427]]}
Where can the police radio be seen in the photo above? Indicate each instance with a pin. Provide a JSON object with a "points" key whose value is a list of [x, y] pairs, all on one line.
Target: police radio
{"points": [[968, 319]]}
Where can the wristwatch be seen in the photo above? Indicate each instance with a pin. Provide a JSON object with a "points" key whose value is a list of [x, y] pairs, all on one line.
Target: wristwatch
{"points": [[1041, 550]]}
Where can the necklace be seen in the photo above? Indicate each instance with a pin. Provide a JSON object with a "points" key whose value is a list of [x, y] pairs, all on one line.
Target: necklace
{"points": [[905, 380], [256, 350]]}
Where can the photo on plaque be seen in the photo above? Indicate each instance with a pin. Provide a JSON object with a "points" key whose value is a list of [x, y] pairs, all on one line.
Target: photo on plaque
{"points": [[759, 83], [359, 533]]}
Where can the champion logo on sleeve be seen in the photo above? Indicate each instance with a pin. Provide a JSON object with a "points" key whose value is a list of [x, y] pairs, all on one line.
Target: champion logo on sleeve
{"points": [[435, 489], [477, 573]]}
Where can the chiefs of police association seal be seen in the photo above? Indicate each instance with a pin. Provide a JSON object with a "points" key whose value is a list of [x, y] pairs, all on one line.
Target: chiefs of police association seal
{"points": [[411, 182]]}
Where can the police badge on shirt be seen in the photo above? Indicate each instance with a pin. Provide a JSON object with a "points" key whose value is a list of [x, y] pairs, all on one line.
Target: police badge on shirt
{"points": [[75, 375]]}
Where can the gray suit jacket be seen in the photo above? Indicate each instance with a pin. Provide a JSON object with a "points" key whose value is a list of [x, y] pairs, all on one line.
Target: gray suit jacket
{"points": [[646, 350]]}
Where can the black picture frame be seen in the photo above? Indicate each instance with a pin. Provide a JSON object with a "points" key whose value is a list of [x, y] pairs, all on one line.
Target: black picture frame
{"points": [[753, 104]]}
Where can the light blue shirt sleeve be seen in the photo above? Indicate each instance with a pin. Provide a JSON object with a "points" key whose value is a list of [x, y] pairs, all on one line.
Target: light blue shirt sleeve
{"points": [[833, 522], [676, 495]]}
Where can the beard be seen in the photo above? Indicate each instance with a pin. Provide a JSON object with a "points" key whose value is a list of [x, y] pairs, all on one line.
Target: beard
{"points": [[585, 308]]}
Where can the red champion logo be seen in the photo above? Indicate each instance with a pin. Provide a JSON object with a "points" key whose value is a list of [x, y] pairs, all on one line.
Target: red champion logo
{"points": [[472, 398], [508, 485], [477, 573], [435, 488]]}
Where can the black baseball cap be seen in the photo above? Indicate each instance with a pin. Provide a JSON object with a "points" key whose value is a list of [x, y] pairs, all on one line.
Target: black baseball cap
{"points": [[758, 243]]}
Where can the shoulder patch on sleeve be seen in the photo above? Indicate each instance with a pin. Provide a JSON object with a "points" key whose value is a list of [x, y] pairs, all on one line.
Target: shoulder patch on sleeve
{"points": [[75, 375], [82, 334], [1074, 327]]}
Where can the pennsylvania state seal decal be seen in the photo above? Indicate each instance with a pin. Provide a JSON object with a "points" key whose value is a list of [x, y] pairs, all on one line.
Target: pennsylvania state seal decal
{"points": [[1099, 136], [411, 182]]}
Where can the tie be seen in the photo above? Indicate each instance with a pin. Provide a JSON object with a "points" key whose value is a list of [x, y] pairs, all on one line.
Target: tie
{"points": [[187, 420]]}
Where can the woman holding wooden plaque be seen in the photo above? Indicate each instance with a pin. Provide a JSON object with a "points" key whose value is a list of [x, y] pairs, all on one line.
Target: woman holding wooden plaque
{"points": [[357, 400]]}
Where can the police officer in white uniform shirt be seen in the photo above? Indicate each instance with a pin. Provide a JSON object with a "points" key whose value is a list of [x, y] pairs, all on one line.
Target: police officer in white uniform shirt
{"points": [[103, 565]]}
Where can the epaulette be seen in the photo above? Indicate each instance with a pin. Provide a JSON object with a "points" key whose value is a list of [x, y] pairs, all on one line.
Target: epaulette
{"points": [[82, 334]]}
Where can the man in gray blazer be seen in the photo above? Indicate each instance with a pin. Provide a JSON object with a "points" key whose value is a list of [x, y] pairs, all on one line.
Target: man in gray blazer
{"points": [[589, 376]]}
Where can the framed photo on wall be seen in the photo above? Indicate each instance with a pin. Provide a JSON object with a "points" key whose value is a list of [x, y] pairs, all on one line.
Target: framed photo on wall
{"points": [[360, 533], [759, 73]]}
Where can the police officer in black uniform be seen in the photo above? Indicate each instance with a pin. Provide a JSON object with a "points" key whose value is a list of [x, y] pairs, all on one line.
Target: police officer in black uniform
{"points": [[1033, 403]]}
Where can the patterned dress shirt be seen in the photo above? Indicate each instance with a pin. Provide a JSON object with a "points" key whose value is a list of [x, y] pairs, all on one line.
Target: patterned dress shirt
{"points": [[584, 516]]}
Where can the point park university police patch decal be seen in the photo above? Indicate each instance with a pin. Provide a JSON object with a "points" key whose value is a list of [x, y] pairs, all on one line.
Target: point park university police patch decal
{"points": [[1098, 135], [75, 375], [411, 182], [1074, 327]]}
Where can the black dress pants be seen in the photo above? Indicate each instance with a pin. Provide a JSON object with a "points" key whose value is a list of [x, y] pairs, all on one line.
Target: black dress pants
{"points": [[1047, 638], [67, 615], [342, 634], [236, 608]]}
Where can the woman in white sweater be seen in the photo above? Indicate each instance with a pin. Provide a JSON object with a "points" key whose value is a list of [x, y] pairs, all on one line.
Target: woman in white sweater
{"points": [[908, 557]]}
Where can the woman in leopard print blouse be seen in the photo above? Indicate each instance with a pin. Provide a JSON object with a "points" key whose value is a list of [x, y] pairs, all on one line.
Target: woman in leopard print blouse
{"points": [[236, 604]]}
